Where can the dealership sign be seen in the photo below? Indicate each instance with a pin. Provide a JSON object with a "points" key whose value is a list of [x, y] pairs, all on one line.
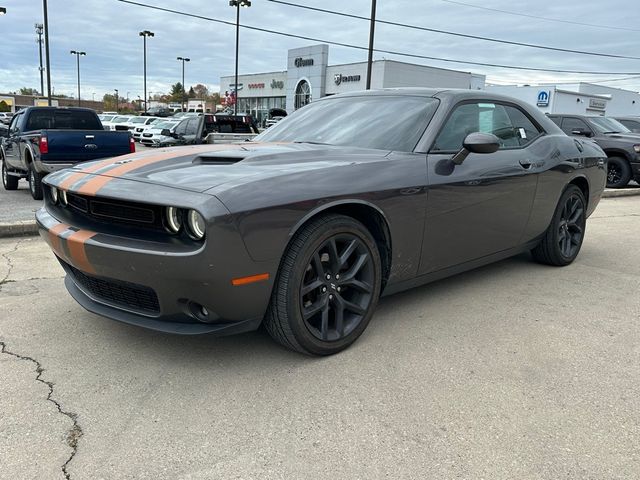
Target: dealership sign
{"points": [[303, 62], [256, 85], [277, 84], [338, 78], [543, 98], [597, 104]]}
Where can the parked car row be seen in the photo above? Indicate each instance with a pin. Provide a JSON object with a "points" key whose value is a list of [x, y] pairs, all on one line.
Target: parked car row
{"points": [[621, 144]]}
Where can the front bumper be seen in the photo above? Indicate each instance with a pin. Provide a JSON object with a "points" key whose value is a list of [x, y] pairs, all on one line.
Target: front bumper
{"points": [[116, 277]]}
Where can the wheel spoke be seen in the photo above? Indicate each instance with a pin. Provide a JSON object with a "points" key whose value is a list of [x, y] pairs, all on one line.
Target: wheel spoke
{"points": [[339, 317], [310, 287], [355, 268], [344, 258], [313, 309], [317, 265], [575, 216], [334, 258], [352, 307], [324, 324], [358, 285]]}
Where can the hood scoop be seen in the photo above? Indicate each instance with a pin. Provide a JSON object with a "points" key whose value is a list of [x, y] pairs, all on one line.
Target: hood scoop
{"points": [[220, 158]]}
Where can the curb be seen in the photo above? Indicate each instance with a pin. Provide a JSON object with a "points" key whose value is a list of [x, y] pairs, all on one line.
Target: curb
{"points": [[627, 192], [18, 229]]}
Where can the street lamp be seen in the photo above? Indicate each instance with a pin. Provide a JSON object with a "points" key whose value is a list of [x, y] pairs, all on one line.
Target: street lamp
{"points": [[39, 31], [3, 10], [78, 54], [116, 90], [238, 4], [45, 10], [144, 34], [184, 89]]}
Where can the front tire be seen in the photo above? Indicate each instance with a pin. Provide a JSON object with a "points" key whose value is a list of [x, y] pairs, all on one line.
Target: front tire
{"points": [[327, 288], [618, 172], [563, 239], [35, 183], [8, 181]]}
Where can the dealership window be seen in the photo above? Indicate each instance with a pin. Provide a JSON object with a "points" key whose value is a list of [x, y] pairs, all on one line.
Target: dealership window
{"points": [[303, 94]]}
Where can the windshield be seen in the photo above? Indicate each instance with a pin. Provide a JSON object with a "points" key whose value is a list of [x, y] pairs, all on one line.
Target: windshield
{"points": [[120, 119], [106, 118], [608, 125], [386, 122], [165, 124], [138, 120]]}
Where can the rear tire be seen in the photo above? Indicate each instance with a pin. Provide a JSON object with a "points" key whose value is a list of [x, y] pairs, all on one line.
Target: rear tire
{"points": [[327, 287], [563, 239], [8, 181], [618, 172], [35, 183]]}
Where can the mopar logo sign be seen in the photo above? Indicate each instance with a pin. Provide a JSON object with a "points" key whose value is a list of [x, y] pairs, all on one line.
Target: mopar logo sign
{"points": [[543, 98]]}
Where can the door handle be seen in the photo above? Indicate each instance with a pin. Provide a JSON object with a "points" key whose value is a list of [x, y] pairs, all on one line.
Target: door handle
{"points": [[526, 163]]}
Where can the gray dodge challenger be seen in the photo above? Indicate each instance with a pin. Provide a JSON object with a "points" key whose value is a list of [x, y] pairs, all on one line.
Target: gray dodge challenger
{"points": [[303, 229]]}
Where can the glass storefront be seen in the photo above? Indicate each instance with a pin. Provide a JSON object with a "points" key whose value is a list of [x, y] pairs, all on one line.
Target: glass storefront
{"points": [[259, 107]]}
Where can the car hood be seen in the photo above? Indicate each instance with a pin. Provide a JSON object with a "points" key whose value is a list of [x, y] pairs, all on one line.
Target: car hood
{"points": [[199, 168]]}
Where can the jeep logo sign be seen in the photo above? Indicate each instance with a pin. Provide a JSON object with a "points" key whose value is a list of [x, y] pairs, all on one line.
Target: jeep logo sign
{"points": [[277, 84], [338, 78], [303, 62]]}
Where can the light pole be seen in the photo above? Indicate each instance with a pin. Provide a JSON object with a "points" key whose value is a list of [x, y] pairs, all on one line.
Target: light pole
{"points": [[78, 54], [237, 4], [371, 34], [46, 49], [3, 10], [39, 31], [144, 34], [93, 97], [116, 90], [184, 89]]}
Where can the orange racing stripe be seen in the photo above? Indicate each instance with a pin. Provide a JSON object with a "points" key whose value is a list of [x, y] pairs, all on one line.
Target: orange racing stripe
{"points": [[55, 240], [76, 244]]}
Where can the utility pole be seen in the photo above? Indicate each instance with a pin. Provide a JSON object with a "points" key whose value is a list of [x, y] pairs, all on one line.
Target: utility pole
{"points": [[372, 30], [237, 4], [46, 49], [116, 90], [39, 31]]}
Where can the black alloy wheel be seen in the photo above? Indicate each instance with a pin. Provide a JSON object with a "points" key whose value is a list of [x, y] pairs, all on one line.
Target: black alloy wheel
{"points": [[327, 287], [8, 181], [618, 172], [35, 183], [563, 239], [337, 287]]}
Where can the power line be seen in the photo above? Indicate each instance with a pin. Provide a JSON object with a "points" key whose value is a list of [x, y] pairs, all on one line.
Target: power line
{"points": [[457, 34], [358, 47], [610, 27]]}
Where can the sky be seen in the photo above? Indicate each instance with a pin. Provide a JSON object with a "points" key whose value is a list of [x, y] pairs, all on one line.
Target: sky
{"points": [[108, 31]]}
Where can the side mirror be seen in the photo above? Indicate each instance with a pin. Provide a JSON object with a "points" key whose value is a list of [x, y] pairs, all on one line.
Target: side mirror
{"points": [[165, 132], [476, 143], [581, 131]]}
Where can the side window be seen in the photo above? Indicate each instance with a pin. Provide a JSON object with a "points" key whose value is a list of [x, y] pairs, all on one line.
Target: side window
{"points": [[477, 117], [556, 120], [569, 124], [524, 128], [13, 126], [192, 126], [181, 128], [632, 125]]}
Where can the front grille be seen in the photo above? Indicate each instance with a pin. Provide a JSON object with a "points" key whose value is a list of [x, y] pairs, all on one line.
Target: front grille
{"points": [[147, 135], [116, 211], [117, 293]]}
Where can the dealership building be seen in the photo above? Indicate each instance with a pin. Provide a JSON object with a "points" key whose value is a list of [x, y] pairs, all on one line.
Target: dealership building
{"points": [[309, 77], [575, 98]]}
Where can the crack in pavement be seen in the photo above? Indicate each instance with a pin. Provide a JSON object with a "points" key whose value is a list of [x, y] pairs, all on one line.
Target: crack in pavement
{"points": [[9, 262], [75, 432]]}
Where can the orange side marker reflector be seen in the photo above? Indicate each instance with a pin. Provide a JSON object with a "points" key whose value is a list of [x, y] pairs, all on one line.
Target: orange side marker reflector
{"points": [[252, 279]]}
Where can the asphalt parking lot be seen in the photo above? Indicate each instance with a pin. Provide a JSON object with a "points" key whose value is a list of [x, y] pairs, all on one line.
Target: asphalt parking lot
{"points": [[515, 370]]}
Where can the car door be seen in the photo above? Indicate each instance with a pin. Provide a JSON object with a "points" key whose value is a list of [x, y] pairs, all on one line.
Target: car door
{"points": [[12, 142], [482, 206]]}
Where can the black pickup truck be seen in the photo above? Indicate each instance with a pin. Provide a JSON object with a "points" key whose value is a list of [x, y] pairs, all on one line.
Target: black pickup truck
{"points": [[621, 145], [209, 128], [42, 140]]}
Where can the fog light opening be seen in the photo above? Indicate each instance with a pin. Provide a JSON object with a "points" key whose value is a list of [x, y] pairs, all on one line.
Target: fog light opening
{"points": [[201, 313]]}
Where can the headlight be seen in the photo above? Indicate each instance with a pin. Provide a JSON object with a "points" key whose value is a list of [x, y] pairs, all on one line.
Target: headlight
{"points": [[173, 218], [54, 194], [63, 197], [197, 225], [636, 148]]}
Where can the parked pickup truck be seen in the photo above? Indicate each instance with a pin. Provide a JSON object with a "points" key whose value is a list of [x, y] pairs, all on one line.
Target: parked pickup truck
{"points": [[42, 140], [209, 128], [621, 145]]}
